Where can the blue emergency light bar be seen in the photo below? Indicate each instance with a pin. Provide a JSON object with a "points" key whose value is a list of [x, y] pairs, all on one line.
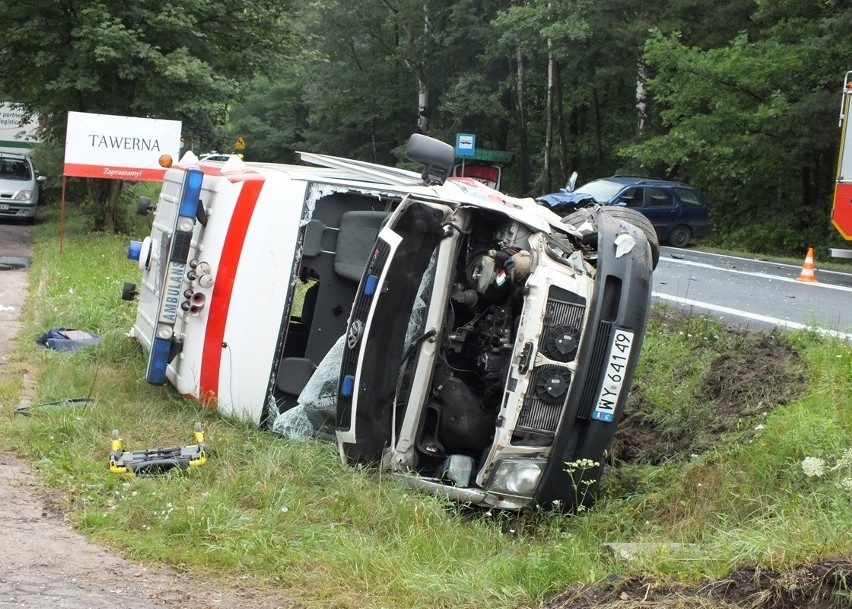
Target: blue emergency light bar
{"points": [[191, 193], [159, 361]]}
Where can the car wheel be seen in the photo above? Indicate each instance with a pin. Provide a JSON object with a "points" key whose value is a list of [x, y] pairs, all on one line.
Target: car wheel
{"points": [[624, 214], [631, 216], [680, 235]]}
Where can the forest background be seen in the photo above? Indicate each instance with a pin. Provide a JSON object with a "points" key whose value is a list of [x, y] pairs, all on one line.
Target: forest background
{"points": [[739, 98]]}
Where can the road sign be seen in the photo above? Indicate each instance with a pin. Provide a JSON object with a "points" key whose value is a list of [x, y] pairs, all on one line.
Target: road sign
{"points": [[465, 144], [240, 144]]}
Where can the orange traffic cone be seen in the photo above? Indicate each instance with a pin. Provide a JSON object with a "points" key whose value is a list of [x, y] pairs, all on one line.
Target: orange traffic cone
{"points": [[807, 273]]}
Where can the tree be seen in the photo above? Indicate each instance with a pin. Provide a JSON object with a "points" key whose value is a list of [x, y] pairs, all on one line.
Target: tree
{"points": [[365, 74], [744, 122], [271, 116], [151, 58]]}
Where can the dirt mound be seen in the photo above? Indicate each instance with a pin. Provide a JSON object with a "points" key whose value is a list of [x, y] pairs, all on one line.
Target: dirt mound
{"points": [[753, 380], [822, 585], [737, 388]]}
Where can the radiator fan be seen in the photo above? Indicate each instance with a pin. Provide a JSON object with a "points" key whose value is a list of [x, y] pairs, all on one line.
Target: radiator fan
{"points": [[551, 384], [561, 343]]}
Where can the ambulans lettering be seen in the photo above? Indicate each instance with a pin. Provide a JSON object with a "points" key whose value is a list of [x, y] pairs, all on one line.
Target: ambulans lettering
{"points": [[171, 293], [114, 142]]}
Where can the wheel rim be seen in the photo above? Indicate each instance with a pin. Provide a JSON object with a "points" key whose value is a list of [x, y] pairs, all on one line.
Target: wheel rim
{"points": [[680, 236]]}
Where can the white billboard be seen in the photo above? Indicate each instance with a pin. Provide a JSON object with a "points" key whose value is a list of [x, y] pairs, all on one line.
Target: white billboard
{"points": [[17, 134], [118, 147]]}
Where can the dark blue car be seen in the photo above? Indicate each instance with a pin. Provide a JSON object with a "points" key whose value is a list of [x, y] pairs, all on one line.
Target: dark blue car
{"points": [[678, 211]]}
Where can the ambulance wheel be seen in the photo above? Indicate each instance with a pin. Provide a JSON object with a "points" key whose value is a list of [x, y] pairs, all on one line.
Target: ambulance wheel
{"points": [[624, 214], [633, 217]]}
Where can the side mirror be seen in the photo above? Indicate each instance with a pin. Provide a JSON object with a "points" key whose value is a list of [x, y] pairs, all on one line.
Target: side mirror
{"points": [[436, 156], [572, 182]]}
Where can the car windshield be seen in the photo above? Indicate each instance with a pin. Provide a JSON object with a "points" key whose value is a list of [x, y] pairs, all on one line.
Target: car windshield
{"points": [[600, 190], [14, 169]]}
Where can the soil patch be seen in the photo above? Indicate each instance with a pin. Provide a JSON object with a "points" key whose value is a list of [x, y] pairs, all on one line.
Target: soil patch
{"points": [[822, 585], [739, 386]]}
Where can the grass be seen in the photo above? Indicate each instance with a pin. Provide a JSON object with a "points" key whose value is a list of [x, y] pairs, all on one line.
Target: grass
{"points": [[288, 514]]}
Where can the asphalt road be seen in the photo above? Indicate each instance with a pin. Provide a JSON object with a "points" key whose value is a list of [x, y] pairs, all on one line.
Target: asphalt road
{"points": [[754, 294]]}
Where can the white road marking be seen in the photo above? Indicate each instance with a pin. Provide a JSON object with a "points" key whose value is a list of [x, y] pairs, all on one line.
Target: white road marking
{"points": [[756, 274], [783, 323], [672, 252]]}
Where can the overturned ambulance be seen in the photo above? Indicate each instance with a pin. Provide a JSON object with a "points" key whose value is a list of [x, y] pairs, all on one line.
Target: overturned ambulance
{"points": [[470, 343]]}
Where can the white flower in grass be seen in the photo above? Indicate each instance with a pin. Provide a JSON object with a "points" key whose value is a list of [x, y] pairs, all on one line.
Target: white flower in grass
{"points": [[845, 484], [845, 460], [813, 467]]}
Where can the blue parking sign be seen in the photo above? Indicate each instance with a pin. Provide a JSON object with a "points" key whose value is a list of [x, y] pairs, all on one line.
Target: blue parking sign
{"points": [[465, 144]]}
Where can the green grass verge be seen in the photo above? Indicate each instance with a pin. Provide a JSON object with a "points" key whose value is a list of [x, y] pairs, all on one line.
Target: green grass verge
{"points": [[288, 514]]}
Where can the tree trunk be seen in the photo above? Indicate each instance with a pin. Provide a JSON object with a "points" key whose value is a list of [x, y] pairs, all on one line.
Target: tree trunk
{"points": [[422, 105], [522, 122], [105, 194], [422, 89], [562, 144], [596, 107], [548, 132], [641, 96]]}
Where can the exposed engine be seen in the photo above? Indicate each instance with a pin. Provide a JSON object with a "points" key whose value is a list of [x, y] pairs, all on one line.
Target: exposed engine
{"points": [[476, 345]]}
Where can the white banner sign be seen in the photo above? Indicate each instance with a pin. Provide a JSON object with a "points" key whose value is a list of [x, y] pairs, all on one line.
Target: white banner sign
{"points": [[14, 131], [118, 147]]}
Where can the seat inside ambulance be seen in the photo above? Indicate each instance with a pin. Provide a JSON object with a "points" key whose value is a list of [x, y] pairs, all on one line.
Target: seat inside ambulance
{"points": [[336, 244]]}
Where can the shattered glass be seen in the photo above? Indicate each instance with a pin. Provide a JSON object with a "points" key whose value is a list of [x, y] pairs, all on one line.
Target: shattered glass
{"points": [[315, 414]]}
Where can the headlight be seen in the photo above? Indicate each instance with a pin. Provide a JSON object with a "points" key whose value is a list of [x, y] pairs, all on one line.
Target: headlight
{"points": [[24, 195], [517, 476]]}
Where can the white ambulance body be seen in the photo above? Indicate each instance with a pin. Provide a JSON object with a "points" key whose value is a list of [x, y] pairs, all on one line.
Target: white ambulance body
{"points": [[221, 271]]}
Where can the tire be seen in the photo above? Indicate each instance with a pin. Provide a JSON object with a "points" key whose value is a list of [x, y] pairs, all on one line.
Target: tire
{"points": [[579, 216], [634, 218], [680, 236], [623, 214]]}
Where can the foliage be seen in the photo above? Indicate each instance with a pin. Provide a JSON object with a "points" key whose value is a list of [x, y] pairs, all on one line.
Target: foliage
{"points": [[152, 58], [738, 98], [726, 111]]}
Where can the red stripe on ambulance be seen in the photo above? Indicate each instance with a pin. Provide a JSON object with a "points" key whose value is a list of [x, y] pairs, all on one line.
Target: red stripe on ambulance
{"points": [[220, 301]]}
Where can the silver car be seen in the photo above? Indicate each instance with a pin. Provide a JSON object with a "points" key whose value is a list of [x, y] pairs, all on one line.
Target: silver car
{"points": [[19, 187]]}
